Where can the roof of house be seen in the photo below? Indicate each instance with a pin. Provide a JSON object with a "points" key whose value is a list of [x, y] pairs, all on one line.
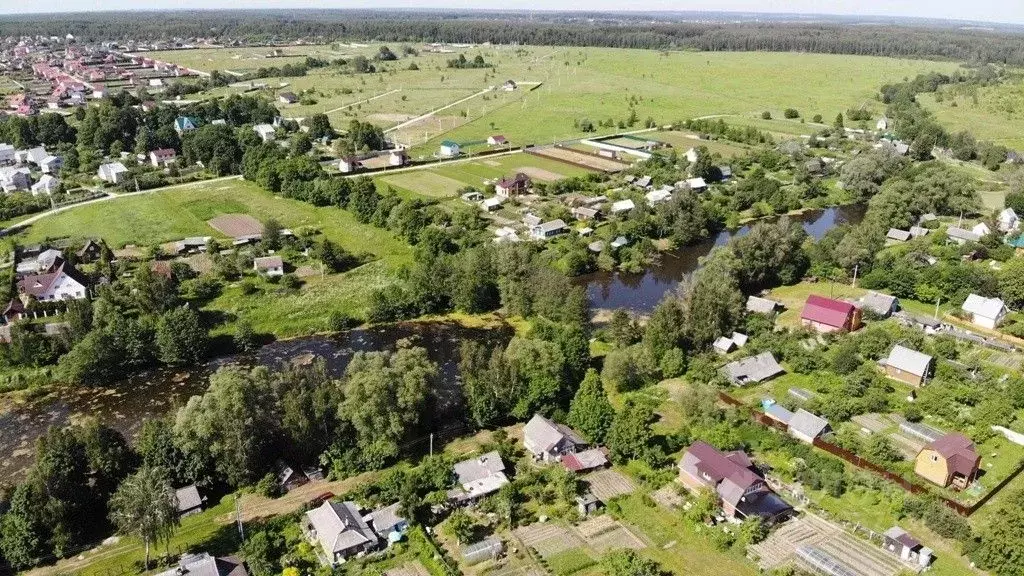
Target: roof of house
{"points": [[984, 307], [551, 225], [779, 412], [206, 565], [762, 305], [704, 460], [288, 95], [1007, 215], [450, 144], [546, 434], [723, 344], [498, 138], [897, 234], [916, 231], [901, 536], [754, 368], [40, 284], [585, 460], [339, 526], [113, 167], [695, 183], [908, 360], [164, 153], [268, 262], [519, 179], [958, 451], [878, 302], [188, 498], [808, 424], [826, 311], [480, 467], [383, 520], [623, 205], [962, 234], [643, 181]]}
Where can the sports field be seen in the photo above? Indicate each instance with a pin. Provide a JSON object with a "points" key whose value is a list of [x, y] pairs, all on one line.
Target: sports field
{"points": [[444, 181], [149, 219]]}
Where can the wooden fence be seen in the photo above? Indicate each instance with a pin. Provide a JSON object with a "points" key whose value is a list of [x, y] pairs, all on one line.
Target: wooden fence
{"points": [[863, 464]]}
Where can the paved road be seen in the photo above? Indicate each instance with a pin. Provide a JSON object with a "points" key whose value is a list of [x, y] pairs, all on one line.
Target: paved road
{"points": [[109, 198]]}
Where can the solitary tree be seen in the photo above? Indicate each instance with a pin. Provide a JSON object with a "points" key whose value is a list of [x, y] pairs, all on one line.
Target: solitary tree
{"points": [[145, 505]]}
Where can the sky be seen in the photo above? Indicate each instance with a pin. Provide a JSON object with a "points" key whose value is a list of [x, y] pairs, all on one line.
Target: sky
{"points": [[1006, 11]]}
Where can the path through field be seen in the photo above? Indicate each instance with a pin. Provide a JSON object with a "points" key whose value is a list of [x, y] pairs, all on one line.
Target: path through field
{"points": [[370, 99]]}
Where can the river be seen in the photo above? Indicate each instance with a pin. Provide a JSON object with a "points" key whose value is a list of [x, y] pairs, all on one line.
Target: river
{"points": [[640, 293], [126, 404]]}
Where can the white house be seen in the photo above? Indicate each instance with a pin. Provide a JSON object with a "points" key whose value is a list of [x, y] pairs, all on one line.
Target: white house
{"points": [[14, 178], [62, 283], [162, 157], [112, 172], [348, 164], [265, 132], [691, 155], [269, 265], [6, 153], [397, 157], [449, 149], [1008, 221], [985, 312], [548, 229], [882, 124], [46, 185], [548, 441], [659, 195], [981, 229], [696, 183], [51, 164]]}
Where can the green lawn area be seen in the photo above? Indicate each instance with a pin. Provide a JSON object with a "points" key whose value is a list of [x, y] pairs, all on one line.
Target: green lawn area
{"points": [[249, 59], [570, 562], [149, 219], [682, 141], [445, 180], [286, 314], [990, 113], [676, 546]]}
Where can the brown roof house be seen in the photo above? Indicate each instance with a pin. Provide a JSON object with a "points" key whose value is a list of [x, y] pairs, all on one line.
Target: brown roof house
{"points": [[829, 315], [63, 282], [205, 565], [732, 477], [950, 461], [549, 441], [509, 187]]}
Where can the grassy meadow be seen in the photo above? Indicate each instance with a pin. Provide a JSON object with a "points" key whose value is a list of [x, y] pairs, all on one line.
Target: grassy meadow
{"points": [[990, 113]]}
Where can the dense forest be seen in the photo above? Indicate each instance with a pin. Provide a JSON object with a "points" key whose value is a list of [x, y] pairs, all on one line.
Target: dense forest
{"points": [[620, 31]]}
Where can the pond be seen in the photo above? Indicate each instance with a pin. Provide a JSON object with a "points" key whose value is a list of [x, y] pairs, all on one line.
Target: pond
{"points": [[126, 404], [640, 293]]}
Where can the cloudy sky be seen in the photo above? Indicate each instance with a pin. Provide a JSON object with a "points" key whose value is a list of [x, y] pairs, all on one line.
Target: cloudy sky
{"points": [[1009, 11]]}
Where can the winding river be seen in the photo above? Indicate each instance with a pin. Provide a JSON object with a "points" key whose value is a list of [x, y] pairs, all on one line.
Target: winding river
{"points": [[124, 405]]}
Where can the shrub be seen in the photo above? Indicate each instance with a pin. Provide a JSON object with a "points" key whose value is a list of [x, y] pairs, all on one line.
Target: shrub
{"points": [[766, 115], [791, 113]]}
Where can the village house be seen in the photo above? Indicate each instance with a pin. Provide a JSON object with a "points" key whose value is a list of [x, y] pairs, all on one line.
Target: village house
{"points": [[918, 231], [908, 366], [658, 196], [287, 98], [548, 229], [622, 206], [950, 461], [90, 251], [6, 154], [51, 164], [112, 172], [806, 427], [696, 184], [268, 265], [882, 305], [189, 501], [731, 476], [548, 441], [13, 178], [348, 164], [509, 187], [581, 213], [341, 532], [204, 564], [478, 477], [449, 149], [496, 140], [13, 311], [961, 236], [191, 245], [726, 344], [163, 157], [760, 305], [896, 236], [829, 315], [753, 369], [585, 461], [62, 282], [266, 132], [1008, 221], [184, 124], [908, 548], [984, 312], [491, 204], [387, 523], [47, 184], [981, 229]]}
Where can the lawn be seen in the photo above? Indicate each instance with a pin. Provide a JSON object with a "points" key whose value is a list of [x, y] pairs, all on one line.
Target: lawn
{"points": [[676, 546], [990, 113], [445, 180], [682, 141], [158, 217]]}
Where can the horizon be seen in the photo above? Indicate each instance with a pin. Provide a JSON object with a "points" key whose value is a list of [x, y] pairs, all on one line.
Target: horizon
{"points": [[109, 7]]}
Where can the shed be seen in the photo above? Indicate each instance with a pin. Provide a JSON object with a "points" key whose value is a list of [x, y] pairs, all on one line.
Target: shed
{"points": [[806, 426], [753, 369], [762, 305], [907, 365], [487, 549], [778, 413], [881, 304], [622, 206], [985, 312], [587, 504]]}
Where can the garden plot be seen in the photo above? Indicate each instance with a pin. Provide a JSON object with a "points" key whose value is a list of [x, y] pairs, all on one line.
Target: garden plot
{"points": [[540, 174], [863, 558], [236, 225], [608, 484], [908, 447], [603, 533], [426, 183], [581, 159], [413, 568], [668, 496], [873, 423], [549, 539]]}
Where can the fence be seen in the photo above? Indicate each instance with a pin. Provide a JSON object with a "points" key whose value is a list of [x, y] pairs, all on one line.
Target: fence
{"points": [[863, 464]]}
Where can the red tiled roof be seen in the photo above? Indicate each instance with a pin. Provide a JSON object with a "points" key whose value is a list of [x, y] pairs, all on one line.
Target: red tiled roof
{"points": [[827, 311], [720, 466], [959, 452]]}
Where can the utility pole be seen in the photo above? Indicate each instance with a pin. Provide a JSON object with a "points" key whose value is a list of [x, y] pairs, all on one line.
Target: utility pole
{"points": [[238, 518], [937, 300], [855, 269], [431, 443]]}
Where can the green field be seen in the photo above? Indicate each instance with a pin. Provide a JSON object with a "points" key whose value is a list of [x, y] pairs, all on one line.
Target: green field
{"points": [[682, 141], [445, 180], [159, 217], [991, 113], [248, 59]]}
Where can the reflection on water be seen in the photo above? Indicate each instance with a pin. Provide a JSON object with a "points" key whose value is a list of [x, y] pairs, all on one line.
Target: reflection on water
{"points": [[124, 405], [642, 292]]}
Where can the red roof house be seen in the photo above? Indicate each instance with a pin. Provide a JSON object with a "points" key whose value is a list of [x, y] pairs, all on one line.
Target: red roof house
{"points": [[732, 477], [829, 315]]}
